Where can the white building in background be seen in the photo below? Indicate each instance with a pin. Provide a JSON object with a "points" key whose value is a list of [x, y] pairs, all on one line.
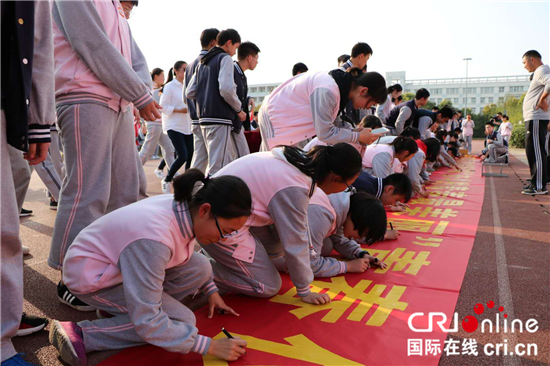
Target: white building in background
{"points": [[481, 90], [260, 91]]}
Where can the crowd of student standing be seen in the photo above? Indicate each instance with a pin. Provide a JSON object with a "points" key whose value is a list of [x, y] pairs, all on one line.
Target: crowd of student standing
{"points": [[132, 258]]}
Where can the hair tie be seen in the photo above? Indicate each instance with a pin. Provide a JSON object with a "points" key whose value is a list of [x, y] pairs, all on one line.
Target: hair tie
{"points": [[206, 179]]}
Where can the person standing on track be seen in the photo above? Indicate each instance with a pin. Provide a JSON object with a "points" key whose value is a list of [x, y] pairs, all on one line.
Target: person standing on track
{"points": [[536, 116]]}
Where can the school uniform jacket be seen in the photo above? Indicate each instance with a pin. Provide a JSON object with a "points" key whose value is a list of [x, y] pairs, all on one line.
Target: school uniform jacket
{"points": [[369, 184], [92, 263], [27, 72], [378, 160], [326, 217], [96, 59], [401, 116], [189, 72], [282, 201], [242, 94], [301, 108]]}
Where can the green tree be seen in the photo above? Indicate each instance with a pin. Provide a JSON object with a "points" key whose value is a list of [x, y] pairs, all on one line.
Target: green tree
{"points": [[407, 96], [446, 103]]}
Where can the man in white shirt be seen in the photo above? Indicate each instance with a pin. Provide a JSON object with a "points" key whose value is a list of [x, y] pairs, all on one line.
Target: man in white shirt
{"points": [[536, 116]]}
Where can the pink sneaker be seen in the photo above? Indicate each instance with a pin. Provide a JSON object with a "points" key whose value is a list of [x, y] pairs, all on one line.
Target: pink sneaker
{"points": [[67, 338]]}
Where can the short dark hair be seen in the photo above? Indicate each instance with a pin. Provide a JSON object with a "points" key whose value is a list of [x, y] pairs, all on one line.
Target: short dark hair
{"points": [[458, 130], [499, 113], [433, 148], [454, 135], [361, 48], [208, 35], [490, 124], [453, 150], [401, 185], [505, 116], [247, 49], [368, 216], [446, 112], [422, 93], [228, 35], [532, 53], [435, 108], [371, 121], [372, 80], [411, 132], [343, 58], [298, 68]]}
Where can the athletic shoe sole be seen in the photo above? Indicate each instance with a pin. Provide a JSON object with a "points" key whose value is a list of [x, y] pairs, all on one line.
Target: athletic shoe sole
{"points": [[61, 341], [25, 214], [534, 193], [77, 307], [27, 331]]}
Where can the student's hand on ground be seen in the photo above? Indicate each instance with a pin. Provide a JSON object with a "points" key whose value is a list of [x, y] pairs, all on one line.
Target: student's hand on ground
{"points": [[37, 153], [543, 104], [242, 116], [227, 348], [316, 298], [358, 265], [458, 168], [151, 112], [391, 235], [427, 182], [376, 262], [216, 301], [367, 137], [397, 208], [424, 193]]}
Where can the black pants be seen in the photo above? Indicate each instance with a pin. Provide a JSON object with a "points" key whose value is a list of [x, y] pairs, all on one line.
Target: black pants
{"points": [[183, 144], [535, 149]]}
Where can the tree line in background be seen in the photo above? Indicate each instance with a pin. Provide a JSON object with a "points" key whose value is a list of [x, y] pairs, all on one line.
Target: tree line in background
{"points": [[511, 106]]}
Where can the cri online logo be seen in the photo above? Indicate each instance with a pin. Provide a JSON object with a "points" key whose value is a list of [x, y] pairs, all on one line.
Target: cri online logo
{"points": [[470, 323]]}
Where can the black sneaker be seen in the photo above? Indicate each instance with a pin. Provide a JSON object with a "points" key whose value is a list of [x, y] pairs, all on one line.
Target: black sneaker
{"points": [[31, 324], [533, 191], [529, 186], [25, 213], [65, 296], [53, 205]]}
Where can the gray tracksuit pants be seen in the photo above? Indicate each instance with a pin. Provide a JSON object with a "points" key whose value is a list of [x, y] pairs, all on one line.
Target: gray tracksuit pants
{"points": [[12, 256], [104, 171], [133, 308], [155, 137], [220, 146]]}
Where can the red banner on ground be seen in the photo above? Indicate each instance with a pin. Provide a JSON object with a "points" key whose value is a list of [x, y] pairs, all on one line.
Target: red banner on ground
{"points": [[367, 320]]}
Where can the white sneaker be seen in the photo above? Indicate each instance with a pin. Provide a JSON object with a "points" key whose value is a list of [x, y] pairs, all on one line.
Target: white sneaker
{"points": [[165, 186], [26, 250], [159, 173]]}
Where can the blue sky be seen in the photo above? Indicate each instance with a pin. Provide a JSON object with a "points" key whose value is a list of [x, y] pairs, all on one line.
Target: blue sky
{"points": [[425, 39]]}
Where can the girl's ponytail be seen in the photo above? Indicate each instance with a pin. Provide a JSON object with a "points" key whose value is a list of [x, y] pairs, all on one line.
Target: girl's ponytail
{"points": [[405, 144], [342, 159], [228, 196]]}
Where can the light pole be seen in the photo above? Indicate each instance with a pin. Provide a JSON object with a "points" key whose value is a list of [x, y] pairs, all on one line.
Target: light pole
{"points": [[466, 100]]}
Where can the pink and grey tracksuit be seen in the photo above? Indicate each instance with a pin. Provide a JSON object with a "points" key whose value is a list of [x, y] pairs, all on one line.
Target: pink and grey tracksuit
{"points": [[138, 263]]}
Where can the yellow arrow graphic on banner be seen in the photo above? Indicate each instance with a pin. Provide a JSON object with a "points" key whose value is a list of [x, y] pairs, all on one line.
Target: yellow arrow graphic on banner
{"points": [[299, 348]]}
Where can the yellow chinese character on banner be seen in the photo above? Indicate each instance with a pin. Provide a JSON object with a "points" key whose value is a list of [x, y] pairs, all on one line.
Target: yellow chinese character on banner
{"points": [[428, 242], [433, 212], [297, 347], [437, 192], [436, 202], [337, 308], [400, 260], [419, 226]]}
